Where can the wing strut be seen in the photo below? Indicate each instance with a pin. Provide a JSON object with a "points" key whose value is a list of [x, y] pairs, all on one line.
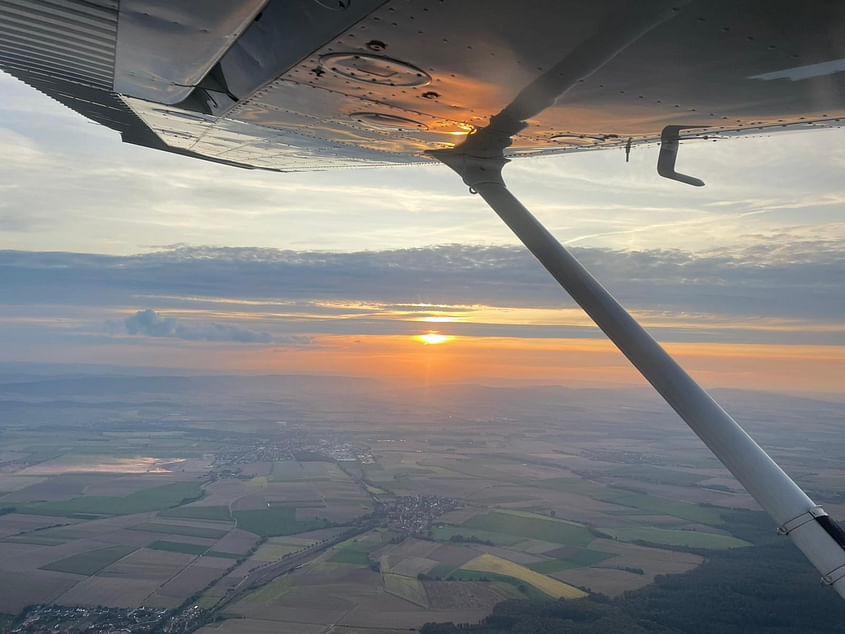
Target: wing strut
{"points": [[820, 538]]}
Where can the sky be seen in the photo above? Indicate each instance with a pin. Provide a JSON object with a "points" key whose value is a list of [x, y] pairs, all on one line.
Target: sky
{"points": [[115, 254]]}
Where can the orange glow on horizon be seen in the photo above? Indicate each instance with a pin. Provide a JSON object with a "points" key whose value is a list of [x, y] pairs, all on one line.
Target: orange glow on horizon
{"points": [[401, 358]]}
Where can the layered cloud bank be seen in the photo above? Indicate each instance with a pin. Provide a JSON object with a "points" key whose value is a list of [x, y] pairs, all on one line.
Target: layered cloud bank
{"points": [[752, 317], [755, 288]]}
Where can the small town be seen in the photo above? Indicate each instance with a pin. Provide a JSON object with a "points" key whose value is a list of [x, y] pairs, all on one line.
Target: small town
{"points": [[294, 445], [414, 515], [57, 618]]}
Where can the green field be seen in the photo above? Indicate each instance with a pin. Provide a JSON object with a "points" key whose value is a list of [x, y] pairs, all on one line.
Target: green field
{"points": [[407, 588], [670, 537], [206, 602], [277, 547], [271, 592], [388, 475], [446, 532], [511, 590], [535, 546], [178, 547], [349, 556], [221, 555], [301, 504], [90, 562], [353, 498], [275, 521], [661, 506], [293, 471], [581, 559], [190, 549], [528, 525], [34, 539], [650, 504], [570, 485], [441, 571], [481, 470], [152, 499], [355, 551], [217, 513], [659, 475], [510, 586], [179, 529], [273, 552], [374, 490]]}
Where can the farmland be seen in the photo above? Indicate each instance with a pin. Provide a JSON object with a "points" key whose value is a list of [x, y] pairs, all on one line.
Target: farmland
{"points": [[497, 565], [180, 529], [151, 499], [660, 506], [90, 562], [274, 548], [220, 513], [285, 527], [274, 521], [691, 539], [580, 559], [447, 533], [349, 556], [531, 527], [295, 471], [408, 588], [178, 547]]}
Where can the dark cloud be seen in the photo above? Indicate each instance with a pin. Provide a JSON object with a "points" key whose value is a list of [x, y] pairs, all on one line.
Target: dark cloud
{"points": [[149, 323], [797, 279]]}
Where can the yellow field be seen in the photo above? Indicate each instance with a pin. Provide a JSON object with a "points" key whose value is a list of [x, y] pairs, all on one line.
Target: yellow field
{"points": [[552, 587]]}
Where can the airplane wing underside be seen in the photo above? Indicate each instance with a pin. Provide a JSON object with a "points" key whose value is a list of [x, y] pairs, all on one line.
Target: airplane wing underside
{"points": [[314, 84]]}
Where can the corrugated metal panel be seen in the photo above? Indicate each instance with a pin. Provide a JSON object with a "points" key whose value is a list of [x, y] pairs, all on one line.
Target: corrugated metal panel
{"points": [[108, 109], [72, 40]]}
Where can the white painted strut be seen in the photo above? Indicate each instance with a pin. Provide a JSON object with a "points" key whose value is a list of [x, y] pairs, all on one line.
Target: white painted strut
{"points": [[820, 539]]}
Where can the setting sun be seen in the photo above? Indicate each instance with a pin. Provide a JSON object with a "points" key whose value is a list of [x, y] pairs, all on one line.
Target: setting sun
{"points": [[433, 338]]}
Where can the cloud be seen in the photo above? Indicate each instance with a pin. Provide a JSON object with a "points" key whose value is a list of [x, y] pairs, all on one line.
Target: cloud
{"points": [[782, 290], [787, 277], [18, 220], [148, 323]]}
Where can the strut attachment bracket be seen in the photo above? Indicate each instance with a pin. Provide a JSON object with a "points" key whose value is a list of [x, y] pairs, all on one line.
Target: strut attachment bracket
{"points": [[833, 576], [474, 170], [810, 516]]}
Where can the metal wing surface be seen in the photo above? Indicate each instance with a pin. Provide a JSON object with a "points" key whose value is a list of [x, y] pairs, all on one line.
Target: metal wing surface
{"points": [[315, 84]]}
